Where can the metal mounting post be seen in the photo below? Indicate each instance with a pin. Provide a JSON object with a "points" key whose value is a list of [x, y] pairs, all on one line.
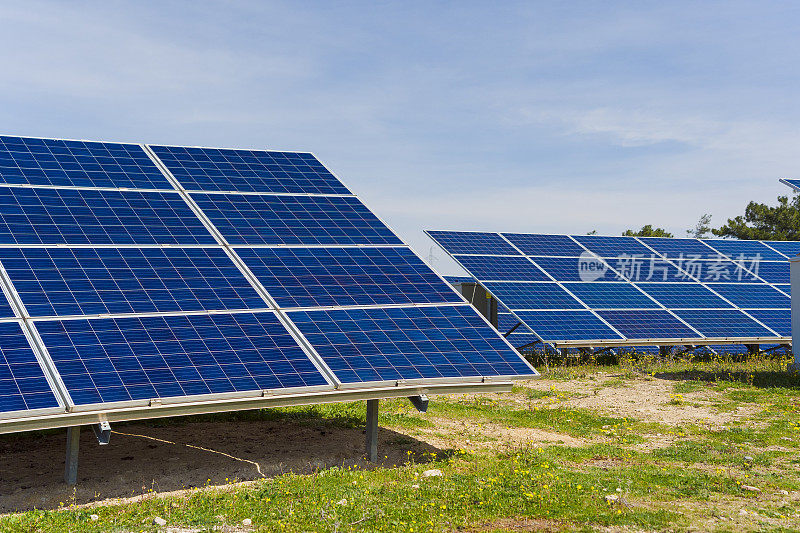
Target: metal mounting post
{"points": [[103, 432], [73, 441], [420, 402], [372, 431]]}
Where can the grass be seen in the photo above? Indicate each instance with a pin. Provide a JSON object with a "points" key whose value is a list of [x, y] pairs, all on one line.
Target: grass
{"points": [[629, 472]]}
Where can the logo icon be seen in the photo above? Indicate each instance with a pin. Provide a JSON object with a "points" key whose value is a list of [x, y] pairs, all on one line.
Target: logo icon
{"points": [[591, 267]]}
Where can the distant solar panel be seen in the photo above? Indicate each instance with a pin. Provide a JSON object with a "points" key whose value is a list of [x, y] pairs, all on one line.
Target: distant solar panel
{"points": [[466, 242], [501, 268], [387, 344], [673, 274], [23, 386], [313, 277], [214, 169], [92, 216], [787, 248], [88, 281], [122, 359], [31, 161], [794, 184], [307, 220]]}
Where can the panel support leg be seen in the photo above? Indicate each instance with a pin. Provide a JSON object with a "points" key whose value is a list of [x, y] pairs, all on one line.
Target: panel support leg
{"points": [[372, 431], [73, 440]]}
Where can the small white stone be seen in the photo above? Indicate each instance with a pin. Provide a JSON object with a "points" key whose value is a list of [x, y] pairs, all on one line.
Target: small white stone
{"points": [[94, 517], [414, 486], [751, 488], [247, 522], [743, 513], [159, 521], [783, 492], [342, 502], [619, 489], [432, 473], [612, 498], [748, 458]]}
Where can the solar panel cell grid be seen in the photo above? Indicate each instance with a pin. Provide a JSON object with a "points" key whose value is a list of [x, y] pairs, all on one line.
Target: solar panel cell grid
{"points": [[778, 320], [684, 295], [115, 360], [748, 295], [679, 248], [309, 277], [613, 246], [787, 248], [70, 216], [747, 250], [86, 281], [214, 169], [723, 323], [567, 325], [22, 382], [772, 271], [305, 220], [647, 324], [545, 245], [719, 270], [501, 268], [610, 296], [532, 295], [362, 345], [77, 163], [467, 242], [576, 269]]}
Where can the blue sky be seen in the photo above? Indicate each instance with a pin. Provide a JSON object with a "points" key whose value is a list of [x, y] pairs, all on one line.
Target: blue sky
{"points": [[534, 117]]}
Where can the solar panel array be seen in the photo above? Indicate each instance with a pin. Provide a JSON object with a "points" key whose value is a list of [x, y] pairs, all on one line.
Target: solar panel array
{"points": [[596, 290], [138, 274], [794, 184]]}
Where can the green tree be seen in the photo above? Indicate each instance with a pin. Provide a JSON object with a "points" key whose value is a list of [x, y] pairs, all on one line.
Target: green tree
{"points": [[764, 222], [702, 228], [647, 231]]}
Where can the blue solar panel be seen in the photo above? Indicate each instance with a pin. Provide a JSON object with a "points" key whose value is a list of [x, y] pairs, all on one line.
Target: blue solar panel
{"points": [[719, 270], [643, 269], [787, 248], [577, 269], [532, 295], [70, 216], [311, 277], [459, 279], [468, 242], [684, 295], [730, 349], [723, 323], [749, 295], [87, 281], [265, 219], [408, 343], [610, 296], [567, 325], [22, 382], [794, 184], [506, 321], [746, 250], [487, 267], [647, 324], [785, 288], [613, 246], [121, 359], [772, 271], [537, 244], [523, 340], [77, 163], [778, 320], [679, 248], [214, 169]]}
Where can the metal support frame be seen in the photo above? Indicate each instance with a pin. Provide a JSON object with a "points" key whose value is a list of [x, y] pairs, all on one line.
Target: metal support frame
{"points": [[71, 467], [372, 431], [509, 332], [103, 432], [420, 402]]}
